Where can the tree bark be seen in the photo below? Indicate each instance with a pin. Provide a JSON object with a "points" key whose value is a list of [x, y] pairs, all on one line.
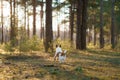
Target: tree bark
{"points": [[112, 25], [25, 16], [101, 25], [28, 29], [95, 36], [84, 24], [2, 21], [41, 23], [58, 31], [13, 32], [49, 32], [78, 29], [71, 22], [34, 17], [11, 10], [81, 24]]}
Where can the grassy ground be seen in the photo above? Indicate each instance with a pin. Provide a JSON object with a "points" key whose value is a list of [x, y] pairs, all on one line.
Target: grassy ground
{"points": [[79, 65]]}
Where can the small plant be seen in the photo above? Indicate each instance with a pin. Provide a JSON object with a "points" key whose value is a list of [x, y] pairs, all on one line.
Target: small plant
{"points": [[54, 71], [79, 69]]}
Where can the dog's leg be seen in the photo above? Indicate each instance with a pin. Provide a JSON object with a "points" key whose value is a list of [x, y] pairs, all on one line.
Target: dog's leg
{"points": [[60, 58]]}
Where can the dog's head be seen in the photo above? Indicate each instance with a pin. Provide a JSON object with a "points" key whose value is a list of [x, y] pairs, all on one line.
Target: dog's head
{"points": [[58, 45]]}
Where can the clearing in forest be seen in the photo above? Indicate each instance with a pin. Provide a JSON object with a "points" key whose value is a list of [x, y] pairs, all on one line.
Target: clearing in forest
{"points": [[79, 65]]}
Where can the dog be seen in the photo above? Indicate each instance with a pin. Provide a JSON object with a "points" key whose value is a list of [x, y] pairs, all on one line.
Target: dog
{"points": [[62, 56], [57, 52]]}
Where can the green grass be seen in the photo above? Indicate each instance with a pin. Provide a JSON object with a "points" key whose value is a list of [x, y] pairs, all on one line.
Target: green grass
{"points": [[80, 65]]}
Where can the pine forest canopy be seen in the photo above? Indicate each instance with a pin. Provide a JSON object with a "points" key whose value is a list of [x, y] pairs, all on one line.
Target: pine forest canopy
{"points": [[81, 21]]}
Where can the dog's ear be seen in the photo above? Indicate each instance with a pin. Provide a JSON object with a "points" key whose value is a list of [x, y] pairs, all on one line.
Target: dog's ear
{"points": [[59, 45], [56, 45]]}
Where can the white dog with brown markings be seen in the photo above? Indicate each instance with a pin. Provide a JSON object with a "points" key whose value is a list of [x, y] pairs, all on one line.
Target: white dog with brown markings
{"points": [[60, 54]]}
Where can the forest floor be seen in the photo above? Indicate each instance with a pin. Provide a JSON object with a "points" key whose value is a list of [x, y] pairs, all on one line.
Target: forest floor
{"points": [[79, 65]]}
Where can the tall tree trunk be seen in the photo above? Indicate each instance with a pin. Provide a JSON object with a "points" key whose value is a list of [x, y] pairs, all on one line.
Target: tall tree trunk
{"points": [[13, 32], [94, 22], [58, 31], [81, 24], [71, 22], [11, 10], [49, 33], [25, 16], [64, 33], [78, 29], [14, 14], [41, 23], [112, 25], [58, 15], [84, 24], [34, 17], [28, 29], [95, 35], [2, 21], [101, 25]]}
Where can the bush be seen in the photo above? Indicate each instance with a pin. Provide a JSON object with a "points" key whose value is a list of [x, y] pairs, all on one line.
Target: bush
{"points": [[8, 47], [31, 44], [24, 46], [118, 46], [34, 44]]}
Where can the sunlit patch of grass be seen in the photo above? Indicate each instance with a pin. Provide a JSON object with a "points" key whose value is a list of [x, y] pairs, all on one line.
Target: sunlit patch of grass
{"points": [[79, 69], [90, 64], [104, 52], [100, 63], [92, 46]]}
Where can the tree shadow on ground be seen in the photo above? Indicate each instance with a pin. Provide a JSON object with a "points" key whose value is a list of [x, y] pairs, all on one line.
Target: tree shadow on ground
{"points": [[104, 52], [22, 57], [39, 68], [97, 63], [107, 56], [112, 58]]}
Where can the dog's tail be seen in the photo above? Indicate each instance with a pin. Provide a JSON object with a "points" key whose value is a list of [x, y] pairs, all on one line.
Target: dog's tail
{"points": [[65, 51]]}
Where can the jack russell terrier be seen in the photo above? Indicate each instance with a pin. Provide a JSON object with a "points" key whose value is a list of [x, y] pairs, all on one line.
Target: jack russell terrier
{"points": [[60, 54]]}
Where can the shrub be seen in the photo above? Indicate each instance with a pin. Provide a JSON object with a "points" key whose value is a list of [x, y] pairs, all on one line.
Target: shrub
{"points": [[34, 44], [24, 46], [8, 47], [118, 46], [31, 44]]}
